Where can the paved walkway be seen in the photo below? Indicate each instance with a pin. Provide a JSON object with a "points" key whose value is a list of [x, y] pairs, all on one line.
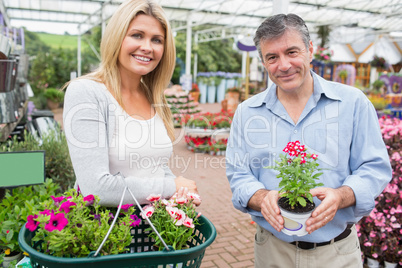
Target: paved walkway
{"points": [[233, 246]]}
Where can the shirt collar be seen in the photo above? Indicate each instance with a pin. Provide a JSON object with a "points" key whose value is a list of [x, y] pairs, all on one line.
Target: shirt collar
{"points": [[269, 95]]}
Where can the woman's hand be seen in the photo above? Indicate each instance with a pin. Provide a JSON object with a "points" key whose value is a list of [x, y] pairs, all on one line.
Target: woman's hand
{"points": [[185, 186]]}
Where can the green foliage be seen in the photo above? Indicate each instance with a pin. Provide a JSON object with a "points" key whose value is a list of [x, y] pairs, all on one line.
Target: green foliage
{"points": [[57, 157], [297, 168], [84, 228], [213, 56], [15, 207], [54, 95], [51, 64]]}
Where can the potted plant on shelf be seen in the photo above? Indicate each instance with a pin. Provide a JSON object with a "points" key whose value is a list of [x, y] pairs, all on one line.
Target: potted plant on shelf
{"points": [[174, 219], [54, 98], [298, 170]]}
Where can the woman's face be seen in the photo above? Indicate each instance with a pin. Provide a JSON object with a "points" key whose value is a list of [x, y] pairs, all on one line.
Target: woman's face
{"points": [[142, 47]]}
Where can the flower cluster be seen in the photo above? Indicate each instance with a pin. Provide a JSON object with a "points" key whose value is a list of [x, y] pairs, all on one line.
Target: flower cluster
{"points": [[380, 232], [220, 120], [174, 219], [206, 144], [323, 54], [379, 62], [74, 225], [297, 168]]}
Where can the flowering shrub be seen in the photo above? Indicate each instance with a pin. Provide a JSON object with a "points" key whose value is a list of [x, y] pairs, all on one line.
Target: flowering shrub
{"points": [[73, 225], [380, 232], [323, 54], [297, 168], [174, 219]]}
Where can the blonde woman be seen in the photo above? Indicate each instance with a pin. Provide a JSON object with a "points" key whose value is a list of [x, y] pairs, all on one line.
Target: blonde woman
{"points": [[116, 119]]}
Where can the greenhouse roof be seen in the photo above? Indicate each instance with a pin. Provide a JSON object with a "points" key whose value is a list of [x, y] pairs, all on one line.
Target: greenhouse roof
{"points": [[358, 18]]}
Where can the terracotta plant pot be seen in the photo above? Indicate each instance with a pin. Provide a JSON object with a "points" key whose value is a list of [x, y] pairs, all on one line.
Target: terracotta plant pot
{"points": [[52, 105], [295, 222]]}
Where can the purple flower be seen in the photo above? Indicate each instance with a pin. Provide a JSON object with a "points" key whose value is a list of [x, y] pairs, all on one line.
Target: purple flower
{"points": [[31, 224], [56, 222], [66, 206], [136, 221], [98, 217]]}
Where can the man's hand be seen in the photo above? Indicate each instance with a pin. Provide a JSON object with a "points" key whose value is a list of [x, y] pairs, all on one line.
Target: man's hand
{"points": [[266, 202], [332, 201]]}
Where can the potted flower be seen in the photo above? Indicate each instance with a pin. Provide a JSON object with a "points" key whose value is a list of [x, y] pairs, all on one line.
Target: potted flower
{"points": [[174, 219], [54, 97], [194, 92], [15, 207], [73, 225], [233, 97], [298, 170], [343, 74]]}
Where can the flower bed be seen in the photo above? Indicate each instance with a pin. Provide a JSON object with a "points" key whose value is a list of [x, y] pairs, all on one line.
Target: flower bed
{"points": [[181, 105], [380, 232]]}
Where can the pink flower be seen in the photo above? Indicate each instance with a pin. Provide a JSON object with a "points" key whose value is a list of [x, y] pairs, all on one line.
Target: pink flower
{"points": [[135, 221], [188, 222], [57, 200], [90, 199], [31, 224], [181, 200], [126, 207], [66, 206], [148, 212], [56, 222], [153, 197], [179, 217]]}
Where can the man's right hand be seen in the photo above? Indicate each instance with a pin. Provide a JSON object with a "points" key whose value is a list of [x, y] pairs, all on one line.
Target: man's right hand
{"points": [[267, 202]]}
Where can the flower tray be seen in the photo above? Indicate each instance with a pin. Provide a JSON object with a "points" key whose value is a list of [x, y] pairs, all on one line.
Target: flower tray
{"points": [[140, 256]]}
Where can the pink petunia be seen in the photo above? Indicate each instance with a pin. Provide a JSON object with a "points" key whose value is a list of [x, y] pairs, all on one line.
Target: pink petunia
{"points": [[135, 221], [154, 197], [66, 206], [57, 200], [56, 222], [31, 224], [89, 199], [126, 207]]}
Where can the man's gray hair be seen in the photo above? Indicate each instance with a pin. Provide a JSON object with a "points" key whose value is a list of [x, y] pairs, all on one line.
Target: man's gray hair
{"points": [[275, 26]]}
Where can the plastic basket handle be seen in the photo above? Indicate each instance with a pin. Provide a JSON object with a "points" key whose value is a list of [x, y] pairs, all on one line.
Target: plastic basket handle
{"points": [[118, 213]]}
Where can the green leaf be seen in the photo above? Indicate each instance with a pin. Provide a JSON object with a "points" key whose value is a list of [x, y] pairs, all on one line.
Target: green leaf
{"points": [[301, 201]]}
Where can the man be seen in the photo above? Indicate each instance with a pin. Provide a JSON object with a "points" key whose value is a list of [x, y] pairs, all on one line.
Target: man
{"points": [[333, 120]]}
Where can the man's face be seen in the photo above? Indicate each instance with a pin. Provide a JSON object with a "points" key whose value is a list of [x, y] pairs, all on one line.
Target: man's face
{"points": [[287, 61]]}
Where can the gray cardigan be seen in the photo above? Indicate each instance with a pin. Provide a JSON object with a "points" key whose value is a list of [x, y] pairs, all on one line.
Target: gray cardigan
{"points": [[89, 122]]}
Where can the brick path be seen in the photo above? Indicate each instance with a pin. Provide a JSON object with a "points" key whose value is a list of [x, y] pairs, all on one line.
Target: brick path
{"points": [[233, 246]]}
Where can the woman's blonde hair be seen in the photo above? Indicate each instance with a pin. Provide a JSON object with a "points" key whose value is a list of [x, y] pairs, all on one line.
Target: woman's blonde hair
{"points": [[155, 82]]}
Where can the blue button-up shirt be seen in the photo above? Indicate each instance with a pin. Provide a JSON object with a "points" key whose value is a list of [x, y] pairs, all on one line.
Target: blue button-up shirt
{"points": [[338, 123]]}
